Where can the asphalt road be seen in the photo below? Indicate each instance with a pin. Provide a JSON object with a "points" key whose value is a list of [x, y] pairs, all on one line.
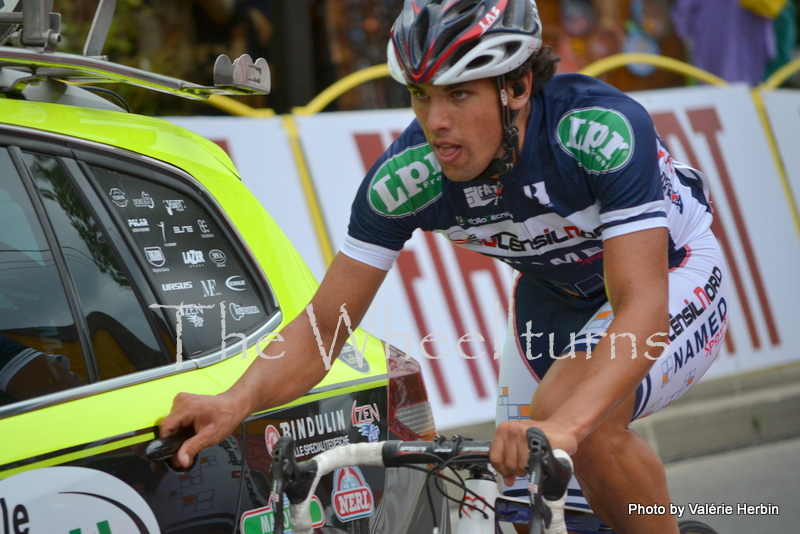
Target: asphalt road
{"points": [[751, 476]]}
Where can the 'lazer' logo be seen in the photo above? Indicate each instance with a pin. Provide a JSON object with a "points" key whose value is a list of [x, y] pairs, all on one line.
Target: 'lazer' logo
{"points": [[601, 140]]}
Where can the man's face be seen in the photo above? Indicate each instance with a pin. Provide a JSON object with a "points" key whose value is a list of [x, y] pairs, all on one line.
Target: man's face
{"points": [[462, 124]]}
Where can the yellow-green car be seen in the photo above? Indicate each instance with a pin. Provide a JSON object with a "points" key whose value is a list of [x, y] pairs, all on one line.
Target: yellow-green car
{"points": [[134, 264]]}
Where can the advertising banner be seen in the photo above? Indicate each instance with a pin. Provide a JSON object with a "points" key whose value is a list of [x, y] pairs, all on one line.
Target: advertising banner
{"points": [[783, 112], [451, 304], [447, 307], [718, 130]]}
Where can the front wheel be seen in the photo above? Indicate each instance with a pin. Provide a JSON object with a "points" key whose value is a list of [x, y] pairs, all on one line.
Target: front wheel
{"points": [[695, 527]]}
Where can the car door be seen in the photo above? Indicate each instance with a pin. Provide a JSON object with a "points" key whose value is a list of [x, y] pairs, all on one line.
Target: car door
{"points": [[110, 268]]}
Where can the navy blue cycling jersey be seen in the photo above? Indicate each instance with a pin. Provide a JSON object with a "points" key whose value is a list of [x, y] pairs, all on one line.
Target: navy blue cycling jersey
{"points": [[592, 167]]}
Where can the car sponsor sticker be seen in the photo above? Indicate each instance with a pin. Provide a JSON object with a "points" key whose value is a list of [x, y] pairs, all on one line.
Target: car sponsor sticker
{"points": [[194, 258], [271, 437], [205, 230], [406, 182], [364, 418], [138, 225], [350, 358], [236, 283], [164, 236], [176, 286], [238, 311], [600, 139], [210, 288], [352, 497], [155, 256], [145, 201], [262, 520], [174, 206], [118, 197], [74, 500], [218, 257]]}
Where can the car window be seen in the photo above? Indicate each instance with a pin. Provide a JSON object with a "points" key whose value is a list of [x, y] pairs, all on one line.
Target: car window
{"points": [[40, 351], [120, 335], [190, 260]]}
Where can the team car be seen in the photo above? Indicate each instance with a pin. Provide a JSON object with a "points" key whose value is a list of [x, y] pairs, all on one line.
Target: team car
{"points": [[134, 265]]}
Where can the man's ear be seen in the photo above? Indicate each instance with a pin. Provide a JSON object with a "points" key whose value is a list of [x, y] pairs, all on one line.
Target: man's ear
{"points": [[520, 91]]}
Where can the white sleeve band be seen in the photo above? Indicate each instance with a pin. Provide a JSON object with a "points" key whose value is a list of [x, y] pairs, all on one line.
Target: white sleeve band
{"points": [[636, 211], [373, 255], [635, 226]]}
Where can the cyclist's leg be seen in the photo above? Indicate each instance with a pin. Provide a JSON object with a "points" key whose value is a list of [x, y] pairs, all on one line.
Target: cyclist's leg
{"points": [[630, 471], [526, 358]]}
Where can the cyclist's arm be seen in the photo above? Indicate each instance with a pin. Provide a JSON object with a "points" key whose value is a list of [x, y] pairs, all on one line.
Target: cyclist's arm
{"points": [[636, 275], [271, 382], [636, 272]]}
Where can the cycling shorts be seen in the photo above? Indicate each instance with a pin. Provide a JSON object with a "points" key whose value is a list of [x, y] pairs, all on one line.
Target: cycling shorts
{"points": [[698, 304]]}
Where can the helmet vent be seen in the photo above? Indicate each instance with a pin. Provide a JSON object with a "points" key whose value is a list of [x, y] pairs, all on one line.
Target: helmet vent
{"points": [[512, 48], [420, 35], [461, 52], [478, 62]]}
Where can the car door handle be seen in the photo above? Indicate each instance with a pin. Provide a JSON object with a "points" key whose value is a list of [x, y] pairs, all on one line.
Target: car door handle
{"points": [[162, 449]]}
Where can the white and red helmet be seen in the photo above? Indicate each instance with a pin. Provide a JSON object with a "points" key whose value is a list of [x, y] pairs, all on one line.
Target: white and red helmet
{"points": [[452, 41]]}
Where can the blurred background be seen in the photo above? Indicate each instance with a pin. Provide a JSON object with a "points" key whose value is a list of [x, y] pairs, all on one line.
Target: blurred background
{"points": [[310, 44]]}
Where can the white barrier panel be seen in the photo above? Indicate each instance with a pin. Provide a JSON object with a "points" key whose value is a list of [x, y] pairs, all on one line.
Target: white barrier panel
{"points": [[441, 293], [719, 131], [260, 150], [437, 290], [783, 111]]}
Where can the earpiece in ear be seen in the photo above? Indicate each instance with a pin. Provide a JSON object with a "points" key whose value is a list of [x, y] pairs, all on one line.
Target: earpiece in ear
{"points": [[518, 88]]}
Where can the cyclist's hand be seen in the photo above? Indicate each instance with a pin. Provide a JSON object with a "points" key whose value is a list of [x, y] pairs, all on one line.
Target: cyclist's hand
{"points": [[509, 453], [213, 418]]}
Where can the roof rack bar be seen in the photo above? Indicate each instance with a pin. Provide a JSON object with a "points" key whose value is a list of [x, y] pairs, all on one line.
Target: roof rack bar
{"points": [[99, 30], [38, 24]]}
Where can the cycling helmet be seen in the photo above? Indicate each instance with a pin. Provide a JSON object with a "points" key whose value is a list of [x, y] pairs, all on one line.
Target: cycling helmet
{"points": [[452, 41]]}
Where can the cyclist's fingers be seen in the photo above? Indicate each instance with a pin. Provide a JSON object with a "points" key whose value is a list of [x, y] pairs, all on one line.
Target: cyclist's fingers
{"points": [[181, 416], [509, 451], [205, 437]]}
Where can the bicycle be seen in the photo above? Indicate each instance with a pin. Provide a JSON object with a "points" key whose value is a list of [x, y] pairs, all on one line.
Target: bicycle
{"points": [[482, 508], [550, 472]]}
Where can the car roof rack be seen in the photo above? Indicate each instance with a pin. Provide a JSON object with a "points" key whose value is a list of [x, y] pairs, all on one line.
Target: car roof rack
{"points": [[39, 36]]}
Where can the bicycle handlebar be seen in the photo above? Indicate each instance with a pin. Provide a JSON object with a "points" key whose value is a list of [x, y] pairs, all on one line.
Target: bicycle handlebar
{"points": [[299, 480]]}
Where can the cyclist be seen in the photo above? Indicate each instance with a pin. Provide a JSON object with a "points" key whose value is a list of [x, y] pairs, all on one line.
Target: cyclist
{"points": [[565, 179]]}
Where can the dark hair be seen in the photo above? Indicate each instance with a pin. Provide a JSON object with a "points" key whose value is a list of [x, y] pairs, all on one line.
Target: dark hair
{"points": [[541, 63]]}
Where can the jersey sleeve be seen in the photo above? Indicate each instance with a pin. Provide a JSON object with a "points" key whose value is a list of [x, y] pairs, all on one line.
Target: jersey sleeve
{"points": [[615, 145], [404, 180]]}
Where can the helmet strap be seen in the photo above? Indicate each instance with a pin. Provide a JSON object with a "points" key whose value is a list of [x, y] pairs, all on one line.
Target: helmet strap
{"points": [[504, 163]]}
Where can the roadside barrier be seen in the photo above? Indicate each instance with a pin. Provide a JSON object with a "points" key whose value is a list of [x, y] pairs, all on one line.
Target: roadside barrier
{"points": [[306, 167]]}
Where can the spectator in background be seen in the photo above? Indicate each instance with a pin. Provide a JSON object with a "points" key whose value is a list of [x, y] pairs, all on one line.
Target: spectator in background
{"points": [[725, 38]]}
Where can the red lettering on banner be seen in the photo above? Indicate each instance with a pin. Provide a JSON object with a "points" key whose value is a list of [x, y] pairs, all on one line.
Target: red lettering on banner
{"points": [[471, 262], [454, 313], [706, 122], [409, 271], [667, 125]]}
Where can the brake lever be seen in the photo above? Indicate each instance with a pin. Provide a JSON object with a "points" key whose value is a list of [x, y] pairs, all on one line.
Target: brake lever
{"points": [[536, 445], [284, 468], [550, 477]]}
